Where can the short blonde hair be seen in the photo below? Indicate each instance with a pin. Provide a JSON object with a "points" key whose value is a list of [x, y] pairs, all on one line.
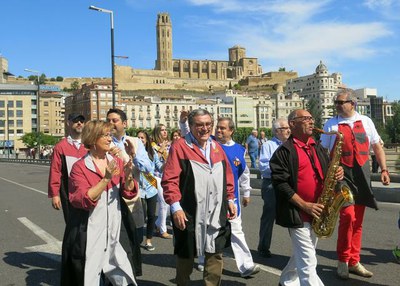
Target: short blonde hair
{"points": [[93, 130]]}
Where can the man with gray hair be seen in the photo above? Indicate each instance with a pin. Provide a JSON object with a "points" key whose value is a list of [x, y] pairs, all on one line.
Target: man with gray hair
{"points": [[198, 184], [359, 135], [281, 132]]}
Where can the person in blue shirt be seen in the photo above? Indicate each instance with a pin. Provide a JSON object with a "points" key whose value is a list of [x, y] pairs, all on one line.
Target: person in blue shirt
{"points": [[149, 189], [252, 147], [281, 132]]}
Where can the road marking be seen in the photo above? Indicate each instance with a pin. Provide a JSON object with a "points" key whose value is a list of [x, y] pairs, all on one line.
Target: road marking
{"points": [[262, 267], [26, 187], [52, 248]]}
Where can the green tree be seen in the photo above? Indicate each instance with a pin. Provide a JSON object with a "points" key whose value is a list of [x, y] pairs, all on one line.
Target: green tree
{"points": [[30, 140], [241, 134], [382, 132], [42, 78], [46, 139], [314, 109], [393, 124], [59, 78], [237, 86], [75, 85]]}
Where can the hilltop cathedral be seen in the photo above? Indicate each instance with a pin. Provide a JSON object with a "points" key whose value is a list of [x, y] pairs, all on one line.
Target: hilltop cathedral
{"points": [[170, 73]]}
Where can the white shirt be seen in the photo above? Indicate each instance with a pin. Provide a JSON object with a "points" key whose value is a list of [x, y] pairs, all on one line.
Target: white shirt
{"points": [[328, 141]]}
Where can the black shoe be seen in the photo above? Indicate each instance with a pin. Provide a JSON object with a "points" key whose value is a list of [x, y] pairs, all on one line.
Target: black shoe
{"points": [[265, 253]]}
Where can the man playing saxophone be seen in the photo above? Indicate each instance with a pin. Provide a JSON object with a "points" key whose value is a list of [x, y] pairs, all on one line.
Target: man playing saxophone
{"points": [[359, 135], [298, 168]]}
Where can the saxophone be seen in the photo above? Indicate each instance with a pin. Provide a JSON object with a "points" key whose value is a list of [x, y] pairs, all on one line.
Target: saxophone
{"points": [[332, 200]]}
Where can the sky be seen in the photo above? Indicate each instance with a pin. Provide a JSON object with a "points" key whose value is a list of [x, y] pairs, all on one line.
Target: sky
{"points": [[358, 38]]}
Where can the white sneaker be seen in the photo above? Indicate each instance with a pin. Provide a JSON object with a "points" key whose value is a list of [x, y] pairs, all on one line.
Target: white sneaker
{"points": [[343, 270], [200, 267]]}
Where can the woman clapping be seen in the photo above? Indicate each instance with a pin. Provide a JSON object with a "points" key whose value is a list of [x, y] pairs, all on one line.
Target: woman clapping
{"points": [[91, 253]]}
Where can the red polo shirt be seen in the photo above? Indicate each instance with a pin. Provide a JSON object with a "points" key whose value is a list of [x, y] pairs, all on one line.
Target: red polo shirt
{"points": [[310, 178]]}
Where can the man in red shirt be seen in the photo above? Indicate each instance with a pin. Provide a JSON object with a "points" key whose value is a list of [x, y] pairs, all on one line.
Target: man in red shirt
{"points": [[65, 154], [298, 170]]}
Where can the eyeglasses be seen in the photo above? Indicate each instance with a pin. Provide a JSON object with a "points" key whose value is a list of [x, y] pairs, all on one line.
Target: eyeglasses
{"points": [[107, 135], [304, 118], [201, 125], [78, 120], [341, 102]]}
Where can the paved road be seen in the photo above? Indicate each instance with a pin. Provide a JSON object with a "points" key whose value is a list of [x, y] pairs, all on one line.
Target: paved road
{"points": [[32, 231]]}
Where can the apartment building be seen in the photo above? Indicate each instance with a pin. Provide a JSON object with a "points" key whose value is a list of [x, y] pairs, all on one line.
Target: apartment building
{"points": [[320, 85], [92, 100], [18, 113]]}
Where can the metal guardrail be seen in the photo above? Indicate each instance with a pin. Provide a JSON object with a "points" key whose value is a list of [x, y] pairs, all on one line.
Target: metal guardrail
{"points": [[256, 183], [26, 161]]}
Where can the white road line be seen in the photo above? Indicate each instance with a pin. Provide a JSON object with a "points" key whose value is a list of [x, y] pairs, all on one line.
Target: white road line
{"points": [[26, 187], [52, 248]]}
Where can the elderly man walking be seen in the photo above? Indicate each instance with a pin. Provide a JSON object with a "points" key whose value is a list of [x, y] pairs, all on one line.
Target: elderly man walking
{"points": [[198, 184]]}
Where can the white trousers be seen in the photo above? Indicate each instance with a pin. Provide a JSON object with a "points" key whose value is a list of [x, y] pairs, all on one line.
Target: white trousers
{"points": [[163, 209], [302, 266], [244, 260]]}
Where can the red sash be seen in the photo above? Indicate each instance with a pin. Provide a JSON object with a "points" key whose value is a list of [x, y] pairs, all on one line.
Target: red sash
{"points": [[355, 145]]}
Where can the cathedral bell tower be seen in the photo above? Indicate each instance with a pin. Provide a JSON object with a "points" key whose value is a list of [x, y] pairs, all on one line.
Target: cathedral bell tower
{"points": [[164, 42]]}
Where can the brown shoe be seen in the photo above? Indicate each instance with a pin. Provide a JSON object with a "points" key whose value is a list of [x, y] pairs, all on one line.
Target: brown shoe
{"points": [[165, 235], [360, 270]]}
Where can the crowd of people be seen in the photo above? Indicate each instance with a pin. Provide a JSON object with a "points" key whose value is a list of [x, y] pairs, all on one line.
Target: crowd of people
{"points": [[117, 191]]}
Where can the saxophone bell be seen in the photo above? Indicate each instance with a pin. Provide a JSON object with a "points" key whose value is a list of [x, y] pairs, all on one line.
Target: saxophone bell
{"points": [[331, 197]]}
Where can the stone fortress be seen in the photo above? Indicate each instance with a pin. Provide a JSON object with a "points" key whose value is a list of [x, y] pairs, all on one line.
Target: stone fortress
{"points": [[187, 74]]}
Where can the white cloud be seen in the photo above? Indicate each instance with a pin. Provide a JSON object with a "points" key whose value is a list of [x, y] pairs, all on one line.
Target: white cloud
{"points": [[296, 34], [388, 8]]}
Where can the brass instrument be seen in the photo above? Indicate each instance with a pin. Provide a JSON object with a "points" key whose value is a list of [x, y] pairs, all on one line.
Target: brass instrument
{"points": [[332, 200]]}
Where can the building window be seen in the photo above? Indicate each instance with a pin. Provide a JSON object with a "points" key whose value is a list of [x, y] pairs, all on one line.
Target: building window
{"points": [[45, 103], [20, 123], [19, 103], [20, 113]]}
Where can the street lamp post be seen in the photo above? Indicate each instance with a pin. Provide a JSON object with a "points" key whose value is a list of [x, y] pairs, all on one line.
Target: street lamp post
{"points": [[112, 48], [37, 107], [8, 130]]}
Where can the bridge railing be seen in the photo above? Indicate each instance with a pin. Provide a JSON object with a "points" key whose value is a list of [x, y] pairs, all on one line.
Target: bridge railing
{"points": [[256, 181]]}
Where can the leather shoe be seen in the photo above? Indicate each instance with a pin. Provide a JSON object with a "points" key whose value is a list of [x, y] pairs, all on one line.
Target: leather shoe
{"points": [[343, 270], [166, 235], [265, 253], [360, 270]]}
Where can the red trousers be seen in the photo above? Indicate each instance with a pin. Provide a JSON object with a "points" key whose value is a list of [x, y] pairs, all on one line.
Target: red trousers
{"points": [[350, 234]]}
